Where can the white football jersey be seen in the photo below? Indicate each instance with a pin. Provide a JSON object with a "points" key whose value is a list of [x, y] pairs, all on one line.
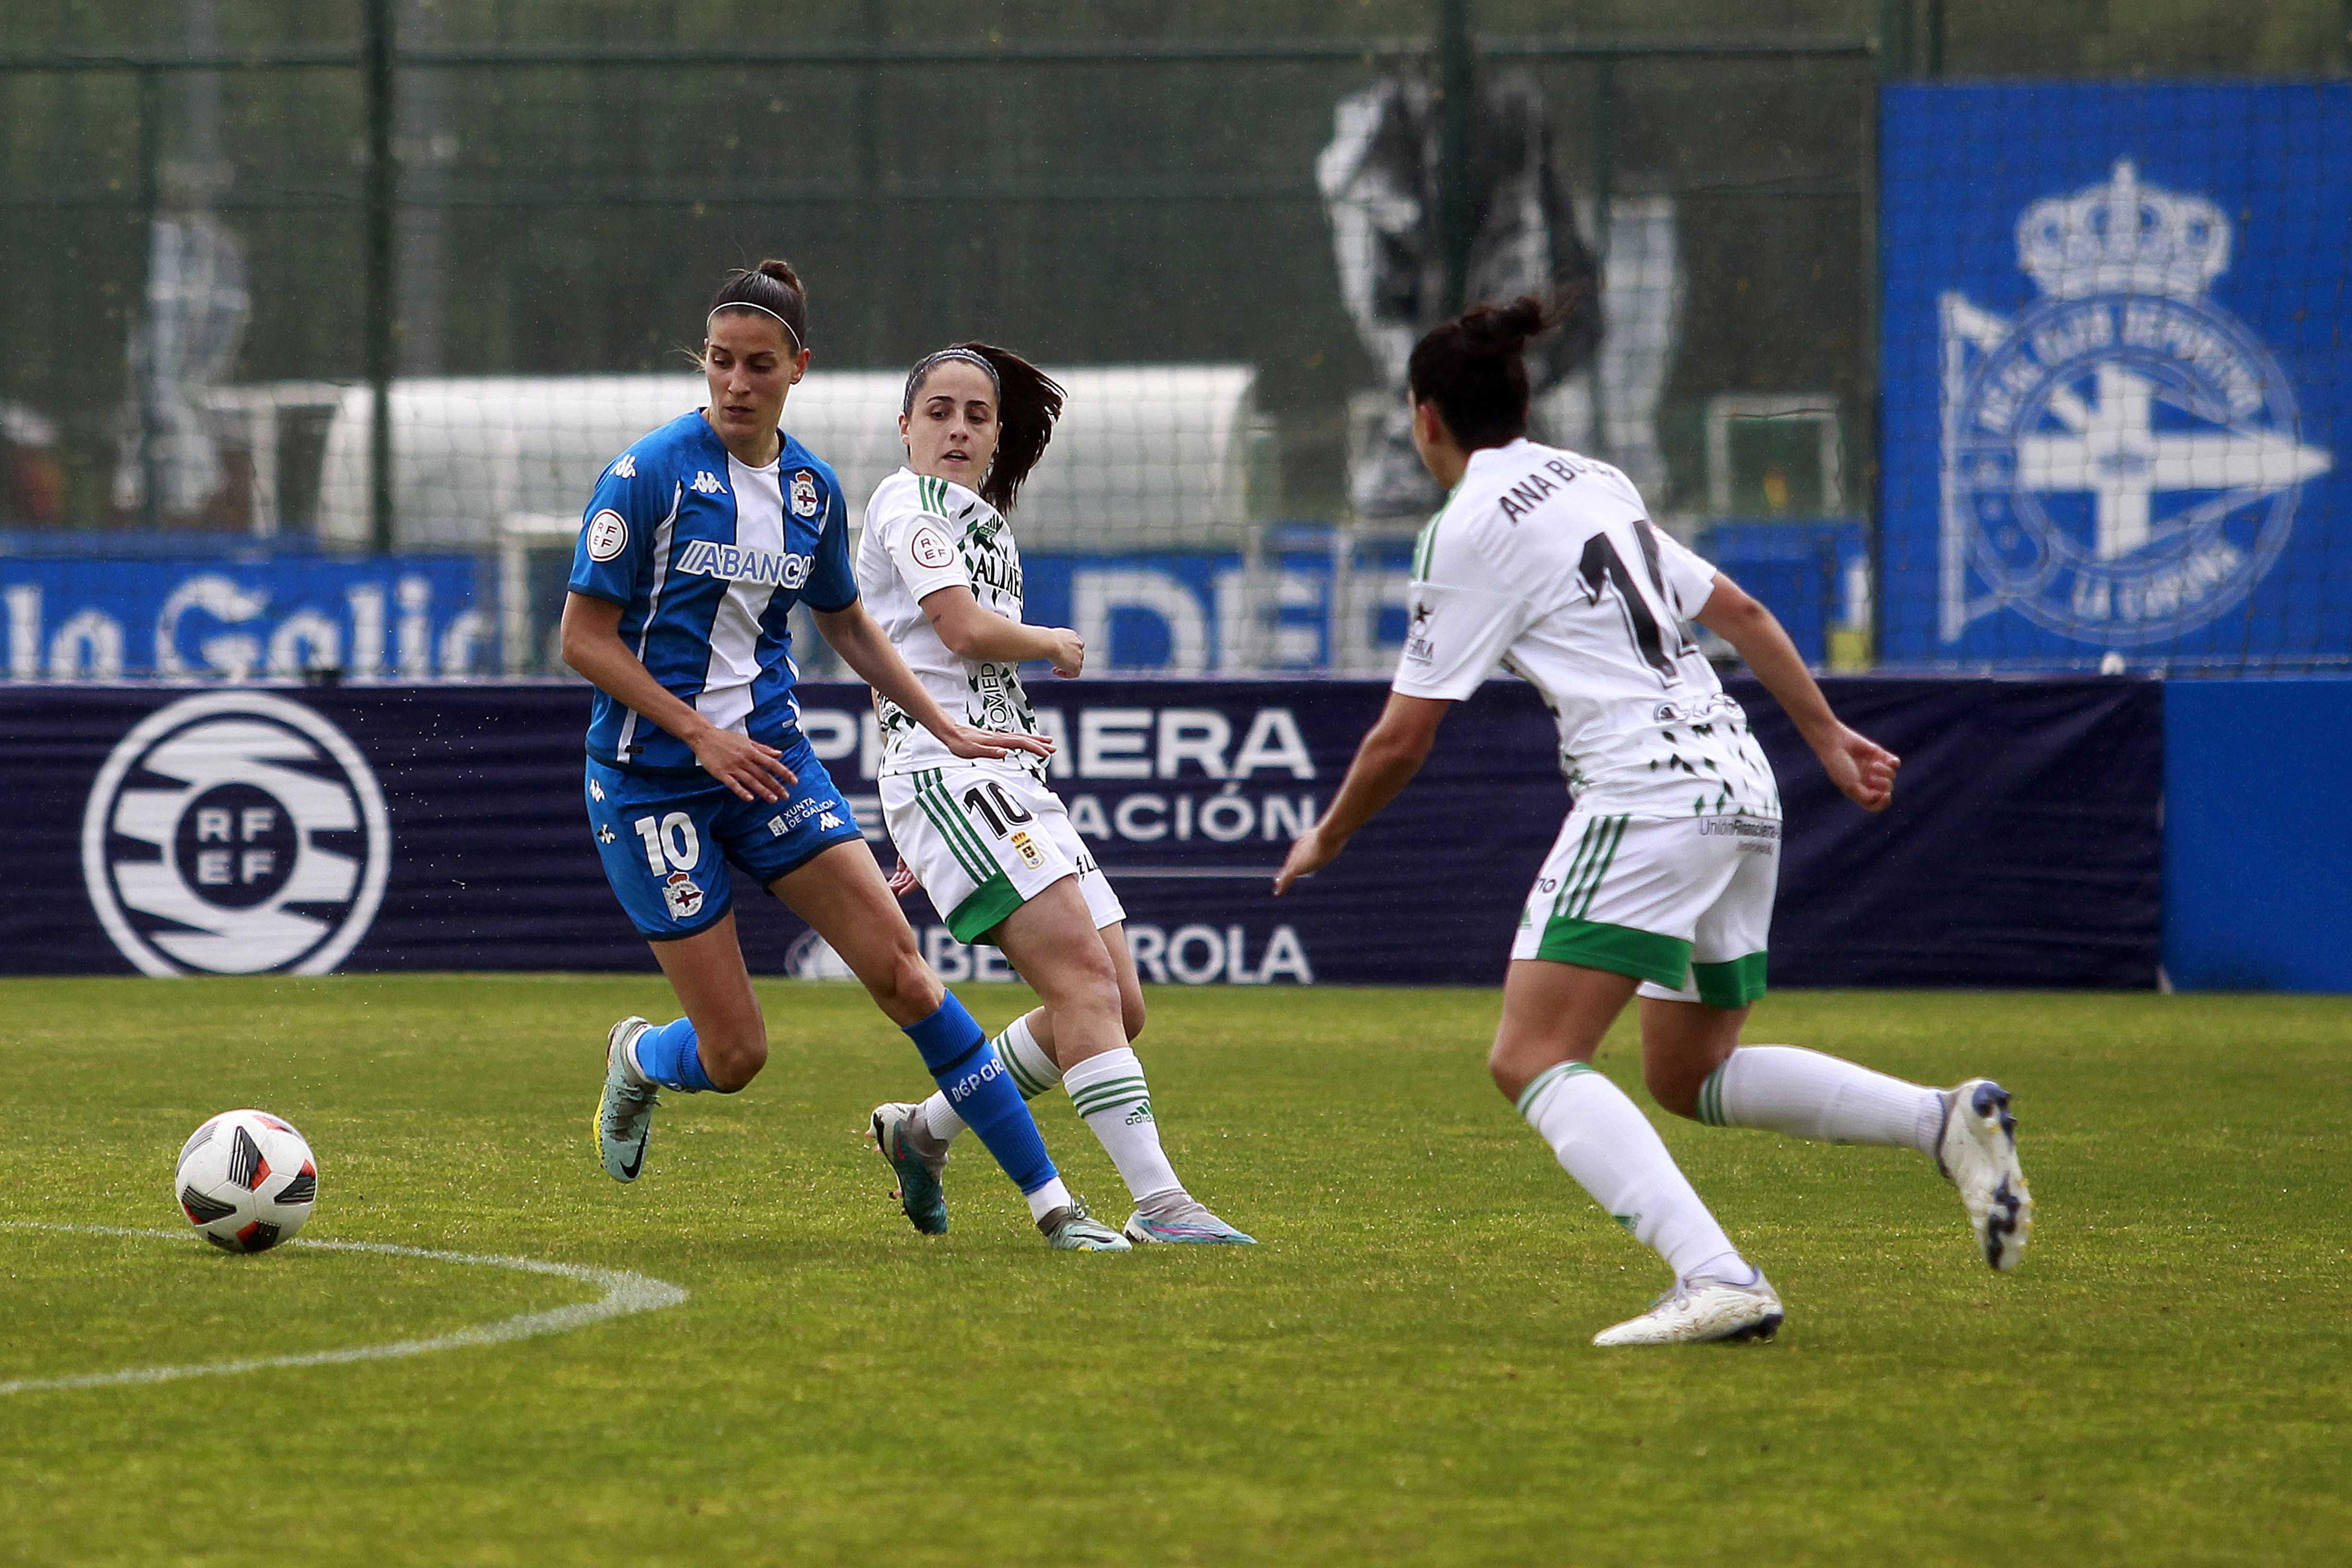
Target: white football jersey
{"points": [[1546, 563], [923, 534]]}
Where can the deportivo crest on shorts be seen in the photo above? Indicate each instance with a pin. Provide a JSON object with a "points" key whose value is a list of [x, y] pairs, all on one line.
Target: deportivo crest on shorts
{"points": [[683, 896], [805, 499]]}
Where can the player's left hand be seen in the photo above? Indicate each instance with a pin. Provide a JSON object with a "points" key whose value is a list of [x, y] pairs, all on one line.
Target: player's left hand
{"points": [[1862, 770], [903, 880], [1309, 854], [974, 744]]}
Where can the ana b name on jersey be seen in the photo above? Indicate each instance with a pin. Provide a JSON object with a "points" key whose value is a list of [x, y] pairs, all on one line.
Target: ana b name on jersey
{"points": [[1531, 491], [741, 563]]}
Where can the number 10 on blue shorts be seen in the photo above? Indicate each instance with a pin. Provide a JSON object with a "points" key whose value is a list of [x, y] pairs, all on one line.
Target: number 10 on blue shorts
{"points": [[666, 839]]}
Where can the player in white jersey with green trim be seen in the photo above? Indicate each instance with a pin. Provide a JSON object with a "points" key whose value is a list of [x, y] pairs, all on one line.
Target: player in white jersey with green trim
{"points": [[993, 846], [1661, 882]]}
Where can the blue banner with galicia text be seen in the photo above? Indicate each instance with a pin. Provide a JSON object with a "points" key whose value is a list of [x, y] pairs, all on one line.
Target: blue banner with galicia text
{"points": [[222, 617], [2117, 392]]}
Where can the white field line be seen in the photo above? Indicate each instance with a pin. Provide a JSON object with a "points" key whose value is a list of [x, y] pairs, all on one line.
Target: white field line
{"points": [[624, 1293]]}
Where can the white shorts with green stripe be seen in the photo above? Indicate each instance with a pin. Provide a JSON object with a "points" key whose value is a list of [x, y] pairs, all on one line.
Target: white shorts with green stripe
{"points": [[984, 838], [1685, 905]]}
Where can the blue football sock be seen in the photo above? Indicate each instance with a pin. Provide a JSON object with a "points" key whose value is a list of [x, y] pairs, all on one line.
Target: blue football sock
{"points": [[982, 1093], [666, 1055]]}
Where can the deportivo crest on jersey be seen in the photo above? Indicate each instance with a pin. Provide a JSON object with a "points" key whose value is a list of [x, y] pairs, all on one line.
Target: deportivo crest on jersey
{"points": [[804, 497], [2122, 460]]}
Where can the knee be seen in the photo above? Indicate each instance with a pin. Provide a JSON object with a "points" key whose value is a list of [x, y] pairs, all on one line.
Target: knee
{"points": [[905, 988], [733, 1060], [1677, 1093]]}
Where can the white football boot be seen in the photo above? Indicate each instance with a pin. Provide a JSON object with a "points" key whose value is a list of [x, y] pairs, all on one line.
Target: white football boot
{"points": [[625, 1113], [1700, 1312], [1977, 1152]]}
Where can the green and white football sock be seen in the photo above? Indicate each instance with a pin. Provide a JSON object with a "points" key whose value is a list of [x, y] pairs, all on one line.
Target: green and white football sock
{"points": [[1807, 1094], [1108, 1091], [1034, 1072], [1601, 1138]]}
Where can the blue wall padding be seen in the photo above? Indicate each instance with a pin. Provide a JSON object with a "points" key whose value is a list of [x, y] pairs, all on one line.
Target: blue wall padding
{"points": [[2257, 853]]}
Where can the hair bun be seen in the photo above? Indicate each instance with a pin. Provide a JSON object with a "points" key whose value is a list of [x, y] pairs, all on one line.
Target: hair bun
{"points": [[782, 271], [1504, 328]]}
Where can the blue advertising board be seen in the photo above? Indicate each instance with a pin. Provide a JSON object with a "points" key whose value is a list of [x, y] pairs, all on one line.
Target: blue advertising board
{"points": [[2116, 392], [231, 615]]}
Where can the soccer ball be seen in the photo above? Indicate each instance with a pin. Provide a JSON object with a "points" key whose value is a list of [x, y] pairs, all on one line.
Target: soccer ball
{"points": [[246, 1180]]}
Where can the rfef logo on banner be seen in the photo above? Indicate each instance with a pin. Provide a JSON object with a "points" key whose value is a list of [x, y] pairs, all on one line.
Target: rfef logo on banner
{"points": [[2122, 460], [235, 833]]}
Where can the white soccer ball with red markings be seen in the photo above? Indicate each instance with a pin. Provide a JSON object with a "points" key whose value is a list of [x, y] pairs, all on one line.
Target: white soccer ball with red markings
{"points": [[246, 1180]]}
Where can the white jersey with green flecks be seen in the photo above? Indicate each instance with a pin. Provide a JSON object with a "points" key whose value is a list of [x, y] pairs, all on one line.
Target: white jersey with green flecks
{"points": [[1546, 563], [923, 534]]}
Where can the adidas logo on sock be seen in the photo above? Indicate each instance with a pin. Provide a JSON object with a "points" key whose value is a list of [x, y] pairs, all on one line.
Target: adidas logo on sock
{"points": [[1142, 1112]]}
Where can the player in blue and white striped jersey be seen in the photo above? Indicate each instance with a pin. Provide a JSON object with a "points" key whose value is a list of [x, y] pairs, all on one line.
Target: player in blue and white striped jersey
{"points": [[698, 542]]}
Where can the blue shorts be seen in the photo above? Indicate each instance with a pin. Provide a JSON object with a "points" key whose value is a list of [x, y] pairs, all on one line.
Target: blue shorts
{"points": [[667, 839]]}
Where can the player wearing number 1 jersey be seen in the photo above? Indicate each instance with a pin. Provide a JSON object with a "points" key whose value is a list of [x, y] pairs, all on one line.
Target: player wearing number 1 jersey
{"points": [[1661, 881], [986, 838]]}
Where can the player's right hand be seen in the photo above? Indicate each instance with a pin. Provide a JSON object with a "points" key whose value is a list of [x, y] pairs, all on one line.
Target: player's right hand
{"points": [[1862, 770], [743, 765], [903, 880], [1069, 652]]}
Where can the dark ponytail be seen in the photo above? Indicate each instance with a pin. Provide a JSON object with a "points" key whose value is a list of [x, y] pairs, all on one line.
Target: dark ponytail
{"points": [[1028, 400], [773, 289], [1474, 370]]}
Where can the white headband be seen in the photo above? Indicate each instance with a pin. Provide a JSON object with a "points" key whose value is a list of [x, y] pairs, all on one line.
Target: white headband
{"points": [[923, 367], [747, 305]]}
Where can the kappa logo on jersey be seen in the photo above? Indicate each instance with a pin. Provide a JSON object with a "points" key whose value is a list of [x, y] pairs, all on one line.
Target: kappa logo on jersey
{"points": [[805, 499], [626, 468], [740, 564], [930, 548], [706, 483], [608, 535], [2122, 460], [683, 896], [235, 833]]}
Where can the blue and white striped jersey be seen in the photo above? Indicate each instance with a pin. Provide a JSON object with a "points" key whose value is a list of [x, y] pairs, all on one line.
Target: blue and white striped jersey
{"points": [[707, 557]]}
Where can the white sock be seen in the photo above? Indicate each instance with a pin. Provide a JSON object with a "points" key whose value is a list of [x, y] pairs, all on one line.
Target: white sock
{"points": [[1108, 1091], [1034, 1072], [1806, 1094], [1603, 1141], [1047, 1198]]}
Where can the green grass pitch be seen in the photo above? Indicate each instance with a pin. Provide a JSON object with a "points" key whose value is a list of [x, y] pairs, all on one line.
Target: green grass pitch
{"points": [[1400, 1373]]}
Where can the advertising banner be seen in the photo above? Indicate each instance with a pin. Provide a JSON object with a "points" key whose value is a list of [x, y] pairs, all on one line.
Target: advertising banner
{"points": [[215, 617], [291, 829], [2117, 399]]}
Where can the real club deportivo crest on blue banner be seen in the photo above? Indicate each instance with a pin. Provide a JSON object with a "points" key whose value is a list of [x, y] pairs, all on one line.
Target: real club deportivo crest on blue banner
{"points": [[2116, 376]]}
